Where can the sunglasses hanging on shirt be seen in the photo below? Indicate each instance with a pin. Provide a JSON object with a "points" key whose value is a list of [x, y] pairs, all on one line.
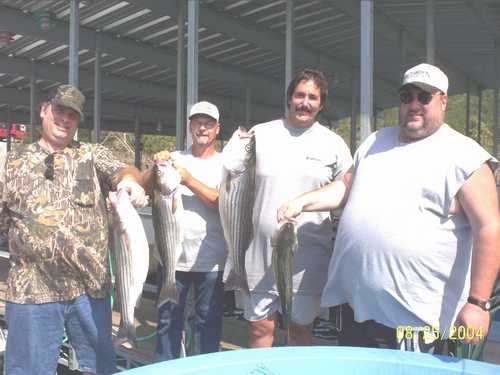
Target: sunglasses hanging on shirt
{"points": [[49, 167]]}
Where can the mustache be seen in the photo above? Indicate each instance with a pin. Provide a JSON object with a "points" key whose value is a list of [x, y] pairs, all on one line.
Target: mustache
{"points": [[303, 108], [411, 114], [415, 112]]}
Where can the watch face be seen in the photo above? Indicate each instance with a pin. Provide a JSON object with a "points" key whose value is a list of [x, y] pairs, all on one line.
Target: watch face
{"points": [[487, 305]]}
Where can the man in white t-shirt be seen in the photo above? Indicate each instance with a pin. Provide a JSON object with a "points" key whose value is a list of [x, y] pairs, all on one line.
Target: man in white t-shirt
{"points": [[293, 155], [203, 255], [422, 196]]}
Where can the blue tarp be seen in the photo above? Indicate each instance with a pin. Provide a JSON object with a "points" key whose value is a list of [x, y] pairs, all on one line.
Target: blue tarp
{"points": [[317, 360]]}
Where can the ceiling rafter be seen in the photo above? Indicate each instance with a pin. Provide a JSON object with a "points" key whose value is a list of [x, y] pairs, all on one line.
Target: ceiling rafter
{"points": [[390, 29], [269, 89], [484, 17], [110, 108], [161, 93], [242, 30], [22, 23]]}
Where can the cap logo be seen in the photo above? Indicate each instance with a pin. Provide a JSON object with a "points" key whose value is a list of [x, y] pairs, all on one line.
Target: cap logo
{"points": [[66, 94], [419, 74]]}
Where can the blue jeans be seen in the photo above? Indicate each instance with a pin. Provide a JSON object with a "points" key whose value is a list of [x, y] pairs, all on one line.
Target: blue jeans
{"points": [[371, 334], [35, 334], [209, 294]]}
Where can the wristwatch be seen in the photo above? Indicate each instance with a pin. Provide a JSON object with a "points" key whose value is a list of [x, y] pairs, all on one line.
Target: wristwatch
{"points": [[484, 304]]}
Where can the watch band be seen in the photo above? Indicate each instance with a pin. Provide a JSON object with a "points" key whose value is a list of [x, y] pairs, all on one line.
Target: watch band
{"points": [[484, 304]]}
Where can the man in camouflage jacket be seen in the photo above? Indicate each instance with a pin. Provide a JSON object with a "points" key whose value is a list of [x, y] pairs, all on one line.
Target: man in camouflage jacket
{"points": [[54, 211]]}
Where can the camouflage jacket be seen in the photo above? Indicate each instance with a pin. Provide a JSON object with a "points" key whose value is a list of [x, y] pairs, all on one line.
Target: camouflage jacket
{"points": [[57, 225]]}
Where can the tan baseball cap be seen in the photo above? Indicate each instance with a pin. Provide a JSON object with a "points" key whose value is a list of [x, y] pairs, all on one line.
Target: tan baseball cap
{"points": [[69, 96]]}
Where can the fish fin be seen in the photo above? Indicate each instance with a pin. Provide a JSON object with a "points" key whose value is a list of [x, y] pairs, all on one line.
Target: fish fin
{"points": [[156, 254], [227, 182], [275, 238], [228, 267], [229, 282], [174, 205]]}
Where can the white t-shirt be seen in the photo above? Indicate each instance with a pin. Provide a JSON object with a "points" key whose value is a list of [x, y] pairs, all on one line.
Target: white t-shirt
{"points": [[400, 257], [204, 248], [291, 162]]}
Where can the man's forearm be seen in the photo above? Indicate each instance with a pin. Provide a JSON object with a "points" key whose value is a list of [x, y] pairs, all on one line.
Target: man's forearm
{"points": [[329, 197], [485, 261], [206, 194], [129, 172], [478, 198]]}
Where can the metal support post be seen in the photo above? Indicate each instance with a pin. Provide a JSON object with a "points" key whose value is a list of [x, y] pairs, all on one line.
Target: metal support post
{"points": [[96, 134], [74, 28], [288, 49], [429, 31], [33, 114], [479, 114], [180, 118], [354, 106], [137, 143], [366, 88], [192, 61], [467, 110]]}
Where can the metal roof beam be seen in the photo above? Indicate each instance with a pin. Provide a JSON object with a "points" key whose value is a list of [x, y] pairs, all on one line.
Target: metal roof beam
{"points": [[390, 29], [17, 21], [111, 109], [57, 73], [484, 17], [219, 22], [267, 90]]}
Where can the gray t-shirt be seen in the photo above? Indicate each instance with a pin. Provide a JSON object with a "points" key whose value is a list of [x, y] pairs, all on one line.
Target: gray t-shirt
{"points": [[203, 249], [290, 162], [400, 257]]}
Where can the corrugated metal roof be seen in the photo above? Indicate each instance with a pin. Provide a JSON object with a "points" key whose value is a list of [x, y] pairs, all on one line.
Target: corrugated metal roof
{"points": [[241, 44]]}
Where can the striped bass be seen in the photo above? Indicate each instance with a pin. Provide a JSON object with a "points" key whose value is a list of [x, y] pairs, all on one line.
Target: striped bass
{"points": [[167, 213], [236, 199], [284, 243], [131, 260]]}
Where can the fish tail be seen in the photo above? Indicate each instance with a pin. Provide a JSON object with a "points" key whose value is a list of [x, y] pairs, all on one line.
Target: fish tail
{"points": [[235, 281], [229, 284], [168, 293], [127, 333], [286, 326]]}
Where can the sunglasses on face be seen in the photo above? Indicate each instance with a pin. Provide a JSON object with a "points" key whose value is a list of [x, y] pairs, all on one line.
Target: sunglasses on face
{"points": [[207, 125], [49, 167], [423, 97]]}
